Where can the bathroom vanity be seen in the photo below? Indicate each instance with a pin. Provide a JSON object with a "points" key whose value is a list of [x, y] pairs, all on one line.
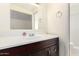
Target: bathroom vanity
{"points": [[32, 47], [18, 40]]}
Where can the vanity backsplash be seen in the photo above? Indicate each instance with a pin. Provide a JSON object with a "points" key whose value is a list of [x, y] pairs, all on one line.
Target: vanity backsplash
{"points": [[18, 33]]}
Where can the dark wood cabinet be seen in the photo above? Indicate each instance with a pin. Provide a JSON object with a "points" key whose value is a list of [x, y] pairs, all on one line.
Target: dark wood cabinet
{"points": [[50, 51], [48, 47], [43, 52]]}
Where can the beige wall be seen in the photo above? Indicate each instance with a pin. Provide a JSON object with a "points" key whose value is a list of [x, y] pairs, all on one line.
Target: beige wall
{"points": [[4, 17], [59, 25]]}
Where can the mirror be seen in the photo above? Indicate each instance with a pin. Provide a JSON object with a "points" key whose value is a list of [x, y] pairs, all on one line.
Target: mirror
{"points": [[22, 16]]}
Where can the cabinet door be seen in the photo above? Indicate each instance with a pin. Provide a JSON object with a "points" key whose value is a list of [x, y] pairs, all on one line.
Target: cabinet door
{"points": [[53, 51], [43, 52]]}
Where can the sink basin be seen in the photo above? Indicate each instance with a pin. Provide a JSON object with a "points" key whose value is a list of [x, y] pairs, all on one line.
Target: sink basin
{"points": [[13, 39]]}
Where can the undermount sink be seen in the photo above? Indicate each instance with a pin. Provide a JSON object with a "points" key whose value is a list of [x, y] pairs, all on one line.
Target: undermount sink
{"points": [[13, 39]]}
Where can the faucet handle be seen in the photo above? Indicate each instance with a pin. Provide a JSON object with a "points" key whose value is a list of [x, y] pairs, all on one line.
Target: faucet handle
{"points": [[32, 34], [24, 33]]}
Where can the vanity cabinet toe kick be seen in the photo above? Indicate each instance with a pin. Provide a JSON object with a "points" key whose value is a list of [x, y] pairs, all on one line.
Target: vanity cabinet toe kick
{"points": [[48, 47]]}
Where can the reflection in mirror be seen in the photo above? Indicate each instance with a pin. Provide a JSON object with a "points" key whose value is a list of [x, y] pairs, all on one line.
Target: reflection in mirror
{"points": [[20, 20]]}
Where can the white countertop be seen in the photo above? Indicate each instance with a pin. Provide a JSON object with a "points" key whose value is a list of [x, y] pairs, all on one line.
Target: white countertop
{"points": [[8, 42]]}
